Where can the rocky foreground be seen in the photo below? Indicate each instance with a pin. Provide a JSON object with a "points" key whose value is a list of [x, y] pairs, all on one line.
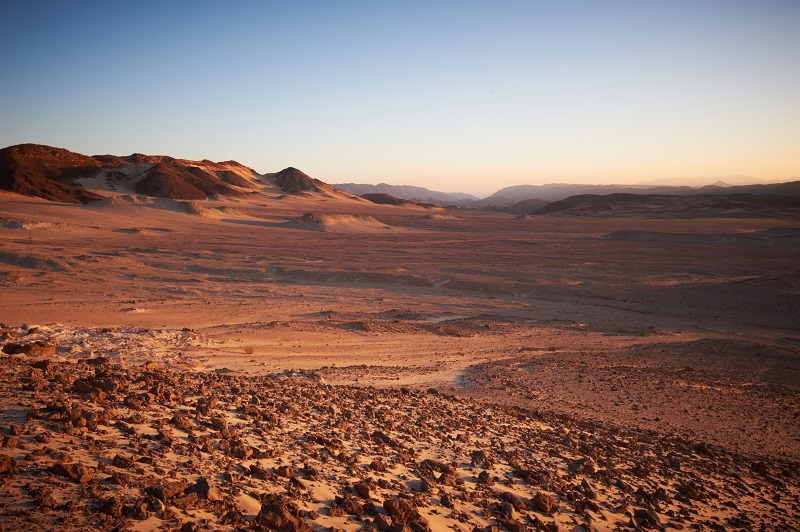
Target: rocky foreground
{"points": [[91, 443]]}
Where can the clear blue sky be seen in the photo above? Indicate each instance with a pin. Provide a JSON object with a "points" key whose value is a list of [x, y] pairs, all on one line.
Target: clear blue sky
{"points": [[468, 96]]}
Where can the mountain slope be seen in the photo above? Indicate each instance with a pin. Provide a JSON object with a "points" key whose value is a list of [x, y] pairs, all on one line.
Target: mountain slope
{"points": [[672, 206], [46, 172], [60, 175], [558, 191], [406, 192]]}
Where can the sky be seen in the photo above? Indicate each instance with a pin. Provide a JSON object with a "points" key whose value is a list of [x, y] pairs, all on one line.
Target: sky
{"points": [[462, 96]]}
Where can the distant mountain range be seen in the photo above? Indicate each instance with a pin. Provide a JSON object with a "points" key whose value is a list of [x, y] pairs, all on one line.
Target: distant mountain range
{"points": [[523, 199], [622, 205], [407, 192]]}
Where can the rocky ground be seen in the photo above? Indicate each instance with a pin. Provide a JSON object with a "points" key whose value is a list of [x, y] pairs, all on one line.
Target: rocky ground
{"points": [[104, 442]]}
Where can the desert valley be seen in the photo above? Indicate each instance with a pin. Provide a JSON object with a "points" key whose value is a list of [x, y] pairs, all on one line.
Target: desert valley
{"points": [[191, 345]]}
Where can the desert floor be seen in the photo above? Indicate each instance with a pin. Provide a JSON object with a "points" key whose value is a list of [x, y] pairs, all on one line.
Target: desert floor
{"points": [[605, 374]]}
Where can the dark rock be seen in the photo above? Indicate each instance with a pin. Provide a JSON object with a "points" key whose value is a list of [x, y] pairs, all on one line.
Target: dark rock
{"points": [[285, 471], [122, 462], [402, 511], [362, 489], [112, 507], [35, 348], [279, 513], [582, 465], [350, 505], [514, 501], [544, 503], [485, 478], [186, 501], [165, 490], [77, 472], [8, 465], [648, 516], [381, 523], [446, 501], [378, 466], [259, 472]]}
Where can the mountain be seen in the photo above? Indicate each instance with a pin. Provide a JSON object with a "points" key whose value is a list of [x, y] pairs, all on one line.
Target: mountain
{"points": [[407, 192], [385, 199], [293, 181], [60, 175], [673, 206], [724, 180], [559, 191], [46, 172], [523, 207]]}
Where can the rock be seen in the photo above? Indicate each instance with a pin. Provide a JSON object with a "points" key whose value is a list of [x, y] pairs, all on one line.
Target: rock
{"points": [[446, 501], [165, 490], [11, 348], [285, 471], [381, 523], [350, 505], [380, 437], [219, 423], [582, 465], [77, 472], [513, 526], [259, 472], [543, 502], [278, 513], [514, 501], [185, 501], [661, 495], [205, 490], [588, 490], [449, 479], [112, 507], [8, 465], [402, 511], [122, 462], [648, 516], [485, 478], [35, 348], [378, 466], [362, 489]]}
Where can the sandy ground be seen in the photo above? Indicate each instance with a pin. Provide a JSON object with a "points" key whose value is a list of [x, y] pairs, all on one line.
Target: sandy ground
{"points": [[546, 342]]}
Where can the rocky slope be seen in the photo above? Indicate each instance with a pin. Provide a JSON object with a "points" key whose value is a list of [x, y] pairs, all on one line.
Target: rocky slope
{"points": [[59, 175]]}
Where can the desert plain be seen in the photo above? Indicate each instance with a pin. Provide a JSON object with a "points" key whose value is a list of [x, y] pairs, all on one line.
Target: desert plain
{"points": [[241, 364]]}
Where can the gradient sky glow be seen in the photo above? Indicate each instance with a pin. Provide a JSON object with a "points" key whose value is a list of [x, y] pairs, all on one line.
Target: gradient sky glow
{"points": [[455, 96]]}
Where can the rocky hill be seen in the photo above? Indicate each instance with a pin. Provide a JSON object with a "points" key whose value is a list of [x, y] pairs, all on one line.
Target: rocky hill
{"points": [[46, 172], [671, 206], [407, 192], [60, 175]]}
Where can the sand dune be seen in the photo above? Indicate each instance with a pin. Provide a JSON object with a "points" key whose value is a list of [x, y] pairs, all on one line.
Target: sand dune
{"points": [[337, 223]]}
